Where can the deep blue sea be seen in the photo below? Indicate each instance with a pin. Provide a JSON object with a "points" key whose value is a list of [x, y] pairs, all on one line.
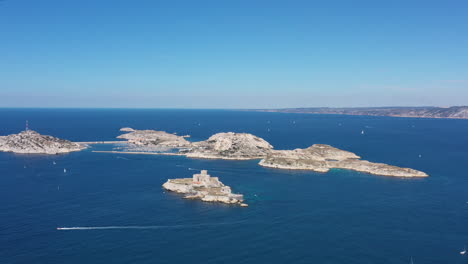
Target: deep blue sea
{"points": [[340, 217]]}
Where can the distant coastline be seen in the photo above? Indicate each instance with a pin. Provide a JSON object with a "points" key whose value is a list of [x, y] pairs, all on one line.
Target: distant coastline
{"points": [[453, 112]]}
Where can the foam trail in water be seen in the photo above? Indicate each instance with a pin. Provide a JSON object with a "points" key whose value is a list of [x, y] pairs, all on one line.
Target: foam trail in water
{"points": [[142, 227]]}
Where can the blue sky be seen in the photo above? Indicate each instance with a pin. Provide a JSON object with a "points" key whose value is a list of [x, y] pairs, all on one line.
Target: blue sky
{"points": [[232, 54]]}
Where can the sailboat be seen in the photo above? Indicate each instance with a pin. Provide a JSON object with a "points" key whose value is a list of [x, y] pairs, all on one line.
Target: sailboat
{"points": [[463, 252]]}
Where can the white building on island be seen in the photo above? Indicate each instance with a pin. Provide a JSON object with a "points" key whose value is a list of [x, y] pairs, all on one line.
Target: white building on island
{"points": [[204, 187], [204, 179]]}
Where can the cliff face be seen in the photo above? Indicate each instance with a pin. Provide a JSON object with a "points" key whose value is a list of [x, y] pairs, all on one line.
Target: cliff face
{"points": [[230, 146], [32, 142], [322, 158], [454, 112]]}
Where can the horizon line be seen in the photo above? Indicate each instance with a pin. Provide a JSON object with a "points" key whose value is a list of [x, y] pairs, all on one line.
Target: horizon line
{"points": [[208, 108]]}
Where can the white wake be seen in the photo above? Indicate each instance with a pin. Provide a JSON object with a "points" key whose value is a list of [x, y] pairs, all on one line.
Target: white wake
{"points": [[143, 227]]}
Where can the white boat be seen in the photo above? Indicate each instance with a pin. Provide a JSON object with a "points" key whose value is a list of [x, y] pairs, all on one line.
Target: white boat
{"points": [[362, 132], [64, 170], [463, 252], [54, 163]]}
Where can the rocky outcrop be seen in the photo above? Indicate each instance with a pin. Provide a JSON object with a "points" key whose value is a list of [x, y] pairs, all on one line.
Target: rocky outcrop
{"points": [[322, 158], [454, 112], [31, 142], [244, 146], [376, 168], [204, 187], [154, 138], [127, 129], [239, 146]]}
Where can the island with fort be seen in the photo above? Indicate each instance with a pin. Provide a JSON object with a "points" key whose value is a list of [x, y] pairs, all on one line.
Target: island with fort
{"points": [[31, 142], [204, 187]]}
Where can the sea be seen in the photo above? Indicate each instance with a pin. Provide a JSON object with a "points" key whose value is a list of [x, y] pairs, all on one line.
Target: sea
{"points": [[117, 211]]}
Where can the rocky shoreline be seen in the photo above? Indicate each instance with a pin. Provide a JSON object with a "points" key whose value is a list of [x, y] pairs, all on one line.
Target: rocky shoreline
{"points": [[244, 146], [204, 187], [228, 146], [31, 142], [322, 158]]}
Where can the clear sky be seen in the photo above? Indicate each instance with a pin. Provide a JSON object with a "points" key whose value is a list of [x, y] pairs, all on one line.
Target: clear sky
{"points": [[232, 53]]}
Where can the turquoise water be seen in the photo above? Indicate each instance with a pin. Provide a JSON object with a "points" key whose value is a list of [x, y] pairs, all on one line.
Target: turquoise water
{"points": [[293, 217]]}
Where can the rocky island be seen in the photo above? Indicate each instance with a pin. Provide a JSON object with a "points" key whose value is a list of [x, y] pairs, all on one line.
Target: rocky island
{"points": [[153, 138], [244, 146], [204, 187], [31, 142], [322, 158], [237, 146]]}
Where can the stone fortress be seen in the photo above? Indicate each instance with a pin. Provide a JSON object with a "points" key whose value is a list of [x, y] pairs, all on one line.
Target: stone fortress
{"points": [[204, 187]]}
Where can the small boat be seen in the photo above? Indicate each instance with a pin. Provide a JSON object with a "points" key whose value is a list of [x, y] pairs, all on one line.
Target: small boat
{"points": [[54, 162], [463, 252], [64, 170], [362, 132]]}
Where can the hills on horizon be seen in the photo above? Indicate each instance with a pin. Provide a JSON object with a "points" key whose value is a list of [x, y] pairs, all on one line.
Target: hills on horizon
{"points": [[453, 112]]}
